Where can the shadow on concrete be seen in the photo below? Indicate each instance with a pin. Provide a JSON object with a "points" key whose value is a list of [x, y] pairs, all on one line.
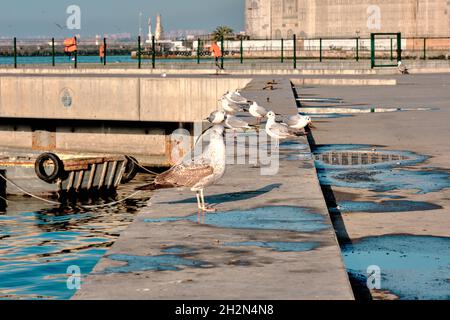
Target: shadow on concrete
{"points": [[232, 197]]}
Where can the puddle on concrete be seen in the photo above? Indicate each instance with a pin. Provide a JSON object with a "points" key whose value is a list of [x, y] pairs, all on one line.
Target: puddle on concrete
{"points": [[326, 116], [389, 180], [384, 206], [365, 158], [321, 100], [165, 262], [285, 218], [355, 110], [363, 167], [294, 145], [278, 246], [298, 157], [412, 267]]}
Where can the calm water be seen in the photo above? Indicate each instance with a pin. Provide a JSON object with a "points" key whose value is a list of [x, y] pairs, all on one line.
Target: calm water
{"points": [[38, 243], [88, 60]]}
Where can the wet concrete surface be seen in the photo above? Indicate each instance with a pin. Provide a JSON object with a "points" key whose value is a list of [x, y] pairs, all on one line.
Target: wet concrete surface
{"points": [[271, 238], [412, 267], [370, 206]]}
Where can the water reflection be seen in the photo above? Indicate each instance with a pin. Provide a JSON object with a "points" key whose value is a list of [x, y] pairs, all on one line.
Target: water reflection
{"points": [[39, 242]]}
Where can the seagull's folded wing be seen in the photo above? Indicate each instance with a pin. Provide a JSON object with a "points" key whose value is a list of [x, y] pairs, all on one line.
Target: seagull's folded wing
{"points": [[279, 130], [184, 175]]}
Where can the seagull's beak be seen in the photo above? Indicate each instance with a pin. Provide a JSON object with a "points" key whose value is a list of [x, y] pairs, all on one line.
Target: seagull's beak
{"points": [[311, 126]]}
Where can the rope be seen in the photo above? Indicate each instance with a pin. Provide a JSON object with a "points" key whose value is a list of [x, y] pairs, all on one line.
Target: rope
{"points": [[28, 193], [59, 203], [112, 203], [142, 167]]}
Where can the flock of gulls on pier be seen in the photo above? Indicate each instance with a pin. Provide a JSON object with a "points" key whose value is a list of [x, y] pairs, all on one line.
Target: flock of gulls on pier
{"points": [[203, 171]]}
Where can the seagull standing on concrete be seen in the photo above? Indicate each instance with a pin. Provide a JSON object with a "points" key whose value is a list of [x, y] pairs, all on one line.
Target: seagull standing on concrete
{"points": [[236, 124], [402, 68], [257, 112], [278, 131], [199, 173], [230, 107], [299, 122], [235, 97]]}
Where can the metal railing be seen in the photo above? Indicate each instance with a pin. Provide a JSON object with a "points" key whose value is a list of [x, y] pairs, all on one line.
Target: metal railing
{"points": [[275, 52]]}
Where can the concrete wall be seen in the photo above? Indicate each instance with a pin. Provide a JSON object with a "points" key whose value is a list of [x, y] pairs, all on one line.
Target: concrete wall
{"points": [[344, 18], [124, 98], [119, 114]]}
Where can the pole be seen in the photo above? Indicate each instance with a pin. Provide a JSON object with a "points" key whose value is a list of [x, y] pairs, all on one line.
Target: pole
{"points": [[424, 48], [295, 51], [399, 47], [53, 52], [282, 50], [320, 49], [139, 52], [104, 51], [242, 51], [372, 50], [153, 52], [392, 50], [76, 54], [198, 51], [223, 53], [357, 49], [15, 53]]}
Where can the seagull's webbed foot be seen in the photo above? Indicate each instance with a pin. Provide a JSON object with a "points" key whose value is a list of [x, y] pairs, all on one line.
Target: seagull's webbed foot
{"points": [[208, 208]]}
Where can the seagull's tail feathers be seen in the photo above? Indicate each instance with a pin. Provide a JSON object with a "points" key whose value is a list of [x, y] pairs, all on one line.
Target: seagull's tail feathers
{"points": [[153, 186]]}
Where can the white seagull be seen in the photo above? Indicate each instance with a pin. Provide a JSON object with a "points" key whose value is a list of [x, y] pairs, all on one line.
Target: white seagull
{"points": [[230, 107], [257, 112], [217, 117], [279, 131], [235, 97], [299, 122], [402, 68], [199, 173]]}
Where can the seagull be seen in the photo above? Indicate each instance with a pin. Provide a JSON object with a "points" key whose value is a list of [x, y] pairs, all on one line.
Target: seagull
{"points": [[402, 68], [257, 111], [230, 107], [235, 97], [235, 124], [279, 131], [217, 117], [198, 173], [299, 122]]}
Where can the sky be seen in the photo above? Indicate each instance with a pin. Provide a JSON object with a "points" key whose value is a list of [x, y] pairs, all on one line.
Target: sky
{"points": [[25, 18]]}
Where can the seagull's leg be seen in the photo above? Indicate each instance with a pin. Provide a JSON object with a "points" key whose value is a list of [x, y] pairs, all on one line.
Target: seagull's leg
{"points": [[205, 207], [199, 202]]}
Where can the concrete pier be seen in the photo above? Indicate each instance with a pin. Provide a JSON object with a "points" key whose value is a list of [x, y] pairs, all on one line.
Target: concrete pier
{"points": [[271, 238]]}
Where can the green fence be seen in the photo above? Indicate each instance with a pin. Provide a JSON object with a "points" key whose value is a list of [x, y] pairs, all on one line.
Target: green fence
{"points": [[382, 50]]}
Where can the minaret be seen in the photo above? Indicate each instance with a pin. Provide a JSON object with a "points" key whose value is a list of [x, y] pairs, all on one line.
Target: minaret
{"points": [[150, 34], [159, 32]]}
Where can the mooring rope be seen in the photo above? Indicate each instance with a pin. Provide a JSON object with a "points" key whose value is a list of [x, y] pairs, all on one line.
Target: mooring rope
{"points": [[59, 203], [28, 193], [142, 167]]}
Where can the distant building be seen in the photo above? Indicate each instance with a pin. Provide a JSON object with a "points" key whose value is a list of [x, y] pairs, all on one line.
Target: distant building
{"points": [[159, 31], [346, 18]]}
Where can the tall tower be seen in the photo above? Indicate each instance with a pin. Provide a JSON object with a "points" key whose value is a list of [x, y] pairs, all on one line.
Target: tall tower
{"points": [[150, 34], [159, 32]]}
